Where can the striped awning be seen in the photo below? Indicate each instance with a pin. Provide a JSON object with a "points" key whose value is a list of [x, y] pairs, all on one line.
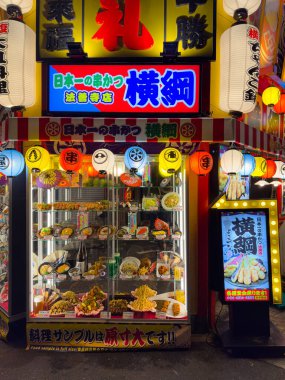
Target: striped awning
{"points": [[136, 130]]}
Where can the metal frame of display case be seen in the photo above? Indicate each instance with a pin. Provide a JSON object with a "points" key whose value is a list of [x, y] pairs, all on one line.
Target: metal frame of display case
{"points": [[112, 245], [12, 321]]}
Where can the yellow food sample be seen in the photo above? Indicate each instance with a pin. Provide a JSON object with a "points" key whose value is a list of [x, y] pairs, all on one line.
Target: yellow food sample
{"points": [[144, 292], [143, 304], [176, 309]]}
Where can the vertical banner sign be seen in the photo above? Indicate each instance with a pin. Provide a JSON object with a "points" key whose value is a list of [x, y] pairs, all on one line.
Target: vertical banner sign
{"points": [[122, 88], [126, 28], [245, 256]]}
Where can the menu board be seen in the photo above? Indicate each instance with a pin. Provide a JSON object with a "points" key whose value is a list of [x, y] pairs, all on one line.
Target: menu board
{"points": [[245, 256]]}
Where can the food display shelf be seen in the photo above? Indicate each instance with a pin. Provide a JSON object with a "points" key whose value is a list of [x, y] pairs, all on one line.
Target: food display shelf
{"points": [[135, 243]]}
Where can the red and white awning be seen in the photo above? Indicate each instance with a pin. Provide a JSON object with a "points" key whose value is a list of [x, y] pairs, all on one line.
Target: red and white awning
{"points": [[140, 130]]}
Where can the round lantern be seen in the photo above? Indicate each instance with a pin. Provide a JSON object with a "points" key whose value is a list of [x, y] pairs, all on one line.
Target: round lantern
{"points": [[248, 164], [12, 162], [103, 160], [201, 162], [238, 88], [232, 161], [37, 158], [280, 105], [270, 169], [280, 170], [240, 9], [70, 159], [18, 77], [170, 160], [163, 172], [24, 5], [271, 96], [135, 159], [260, 167]]}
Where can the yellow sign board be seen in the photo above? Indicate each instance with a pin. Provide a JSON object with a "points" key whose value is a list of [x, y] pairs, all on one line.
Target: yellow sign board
{"points": [[126, 29], [105, 337]]}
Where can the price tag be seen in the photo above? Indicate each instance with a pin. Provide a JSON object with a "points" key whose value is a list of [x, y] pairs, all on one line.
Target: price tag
{"points": [[70, 314], [61, 277], [160, 237], [43, 314], [49, 276], [142, 237], [128, 315], [48, 237], [82, 237], [64, 237], [105, 315], [103, 237], [177, 208], [160, 315], [154, 208], [75, 278], [127, 237], [175, 237]]}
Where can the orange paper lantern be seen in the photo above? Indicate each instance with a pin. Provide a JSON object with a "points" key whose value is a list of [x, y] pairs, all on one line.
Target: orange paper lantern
{"points": [[270, 169], [280, 106], [70, 159], [91, 171], [201, 162]]}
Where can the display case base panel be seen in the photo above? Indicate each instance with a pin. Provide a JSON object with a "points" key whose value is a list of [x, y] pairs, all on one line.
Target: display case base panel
{"points": [[273, 345], [81, 337]]}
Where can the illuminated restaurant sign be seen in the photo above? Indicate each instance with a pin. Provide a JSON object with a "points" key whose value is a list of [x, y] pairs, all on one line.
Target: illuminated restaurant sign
{"points": [[126, 28], [124, 88]]}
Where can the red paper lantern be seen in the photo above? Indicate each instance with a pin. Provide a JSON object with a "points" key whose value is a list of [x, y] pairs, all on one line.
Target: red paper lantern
{"points": [[270, 169], [201, 162], [70, 159], [280, 106]]}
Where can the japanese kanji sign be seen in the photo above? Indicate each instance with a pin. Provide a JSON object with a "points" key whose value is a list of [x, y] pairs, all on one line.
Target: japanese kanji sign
{"points": [[245, 255], [103, 337], [126, 28], [124, 88]]}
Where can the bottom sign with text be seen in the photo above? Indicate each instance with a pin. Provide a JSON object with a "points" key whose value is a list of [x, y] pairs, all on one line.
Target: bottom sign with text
{"points": [[103, 337]]}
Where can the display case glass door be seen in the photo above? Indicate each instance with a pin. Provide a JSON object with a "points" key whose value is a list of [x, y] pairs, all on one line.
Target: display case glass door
{"points": [[102, 248]]}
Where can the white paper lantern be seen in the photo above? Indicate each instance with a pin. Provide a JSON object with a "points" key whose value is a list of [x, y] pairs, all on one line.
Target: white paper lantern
{"points": [[25, 5], [239, 68], [280, 170], [232, 161], [17, 64], [230, 6], [103, 160]]}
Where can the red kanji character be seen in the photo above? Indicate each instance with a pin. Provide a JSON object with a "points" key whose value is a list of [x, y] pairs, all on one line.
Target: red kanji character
{"points": [[138, 338], [134, 35], [4, 28], [111, 337], [125, 337], [253, 34]]}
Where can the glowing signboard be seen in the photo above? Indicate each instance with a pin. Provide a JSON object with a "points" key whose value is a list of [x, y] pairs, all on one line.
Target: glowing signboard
{"points": [[123, 88], [127, 28]]}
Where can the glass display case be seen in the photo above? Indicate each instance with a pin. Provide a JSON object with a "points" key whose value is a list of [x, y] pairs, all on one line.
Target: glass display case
{"points": [[103, 249]]}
